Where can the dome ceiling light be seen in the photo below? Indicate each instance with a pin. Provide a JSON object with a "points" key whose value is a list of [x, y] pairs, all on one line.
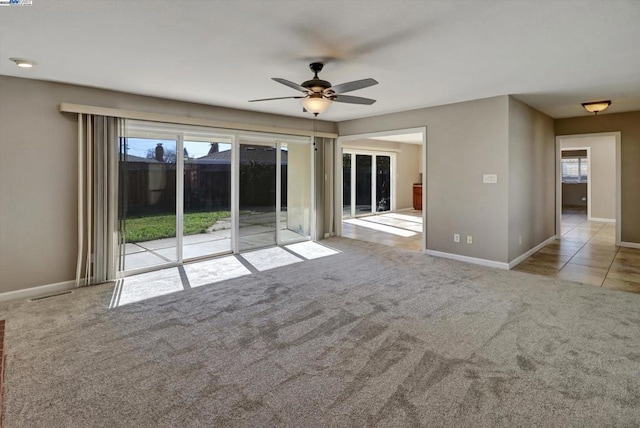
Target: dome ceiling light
{"points": [[596, 106]]}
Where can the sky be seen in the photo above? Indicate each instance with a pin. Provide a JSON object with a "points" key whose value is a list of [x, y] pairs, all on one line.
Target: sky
{"points": [[195, 149]]}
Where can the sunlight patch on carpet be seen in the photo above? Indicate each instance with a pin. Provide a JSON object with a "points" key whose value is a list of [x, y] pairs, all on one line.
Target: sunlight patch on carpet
{"points": [[270, 258], [311, 250], [216, 270], [145, 286]]}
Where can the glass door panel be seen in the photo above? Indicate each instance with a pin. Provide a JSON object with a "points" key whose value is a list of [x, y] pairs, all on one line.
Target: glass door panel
{"points": [[383, 183], [346, 185], [295, 199], [257, 195], [207, 198], [147, 195], [363, 184]]}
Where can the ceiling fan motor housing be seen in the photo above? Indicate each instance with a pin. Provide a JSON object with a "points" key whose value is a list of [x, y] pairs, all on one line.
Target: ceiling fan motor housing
{"points": [[316, 84]]}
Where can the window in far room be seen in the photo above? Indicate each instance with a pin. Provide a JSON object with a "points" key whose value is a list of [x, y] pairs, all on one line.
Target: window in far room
{"points": [[574, 170]]}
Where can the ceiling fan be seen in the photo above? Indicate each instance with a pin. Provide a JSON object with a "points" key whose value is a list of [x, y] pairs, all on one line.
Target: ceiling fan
{"points": [[319, 94]]}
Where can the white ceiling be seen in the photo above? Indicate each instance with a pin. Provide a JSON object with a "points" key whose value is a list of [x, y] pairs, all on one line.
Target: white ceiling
{"points": [[552, 55]]}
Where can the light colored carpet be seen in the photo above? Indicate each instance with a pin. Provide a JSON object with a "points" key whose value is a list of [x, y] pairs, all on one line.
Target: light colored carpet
{"points": [[373, 336]]}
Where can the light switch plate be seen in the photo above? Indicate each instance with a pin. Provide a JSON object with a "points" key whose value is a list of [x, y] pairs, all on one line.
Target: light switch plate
{"points": [[490, 178]]}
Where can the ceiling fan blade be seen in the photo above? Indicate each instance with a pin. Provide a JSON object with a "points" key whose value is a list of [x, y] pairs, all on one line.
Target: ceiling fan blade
{"points": [[352, 86], [353, 100], [278, 98], [290, 84]]}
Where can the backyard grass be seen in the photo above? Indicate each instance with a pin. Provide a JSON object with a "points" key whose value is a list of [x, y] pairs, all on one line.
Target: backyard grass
{"points": [[164, 226]]}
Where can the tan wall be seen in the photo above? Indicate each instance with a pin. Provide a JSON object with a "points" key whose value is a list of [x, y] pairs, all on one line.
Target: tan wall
{"points": [[531, 178], [38, 168], [629, 126], [407, 165], [464, 141], [573, 194], [602, 173]]}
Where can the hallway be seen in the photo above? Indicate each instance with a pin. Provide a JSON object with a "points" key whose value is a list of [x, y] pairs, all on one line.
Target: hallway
{"points": [[587, 253]]}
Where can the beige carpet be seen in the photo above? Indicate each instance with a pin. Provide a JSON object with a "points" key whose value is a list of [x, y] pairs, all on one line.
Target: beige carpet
{"points": [[373, 336]]}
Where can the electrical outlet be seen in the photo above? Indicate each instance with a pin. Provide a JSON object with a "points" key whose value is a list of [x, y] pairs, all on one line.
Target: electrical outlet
{"points": [[490, 178], [456, 237], [520, 240], [469, 239]]}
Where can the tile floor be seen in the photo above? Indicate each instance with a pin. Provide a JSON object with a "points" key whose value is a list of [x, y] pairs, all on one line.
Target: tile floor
{"points": [[587, 253], [399, 229]]}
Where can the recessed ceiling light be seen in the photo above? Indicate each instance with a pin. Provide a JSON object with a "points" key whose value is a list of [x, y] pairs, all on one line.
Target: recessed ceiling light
{"points": [[23, 63]]}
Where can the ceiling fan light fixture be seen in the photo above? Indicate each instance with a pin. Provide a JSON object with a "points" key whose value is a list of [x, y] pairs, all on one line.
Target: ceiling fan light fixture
{"points": [[22, 62], [596, 106], [316, 104]]}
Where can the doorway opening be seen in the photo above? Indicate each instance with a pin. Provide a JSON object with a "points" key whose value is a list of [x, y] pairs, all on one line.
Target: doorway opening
{"points": [[378, 191], [588, 182]]}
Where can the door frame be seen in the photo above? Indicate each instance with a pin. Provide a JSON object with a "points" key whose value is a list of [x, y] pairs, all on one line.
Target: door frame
{"points": [[338, 176], [618, 205]]}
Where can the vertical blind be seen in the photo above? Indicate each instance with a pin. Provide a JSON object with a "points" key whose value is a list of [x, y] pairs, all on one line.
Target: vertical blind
{"points": [[99, 242]]}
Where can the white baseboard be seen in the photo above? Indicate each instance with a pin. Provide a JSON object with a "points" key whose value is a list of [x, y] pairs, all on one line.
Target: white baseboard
{"points": [[629, 244], [476, 261], [515, 262], [603, 220], [42, 290]]}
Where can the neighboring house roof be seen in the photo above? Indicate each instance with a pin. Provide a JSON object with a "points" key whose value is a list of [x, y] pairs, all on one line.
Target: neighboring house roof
{"points": [[264, 155], [132, 158], [261, 155]]}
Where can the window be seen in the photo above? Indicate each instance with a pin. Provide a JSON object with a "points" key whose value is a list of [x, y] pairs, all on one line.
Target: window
{"points": [[574, 170]]}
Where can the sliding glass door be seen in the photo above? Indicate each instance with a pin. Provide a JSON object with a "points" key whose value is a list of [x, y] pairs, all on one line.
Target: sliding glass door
{"points": [[367, 183], [187, 193], [147, 199], [206, 219], [346, 185], [257, 195], [363, 185], [383, 183]]}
